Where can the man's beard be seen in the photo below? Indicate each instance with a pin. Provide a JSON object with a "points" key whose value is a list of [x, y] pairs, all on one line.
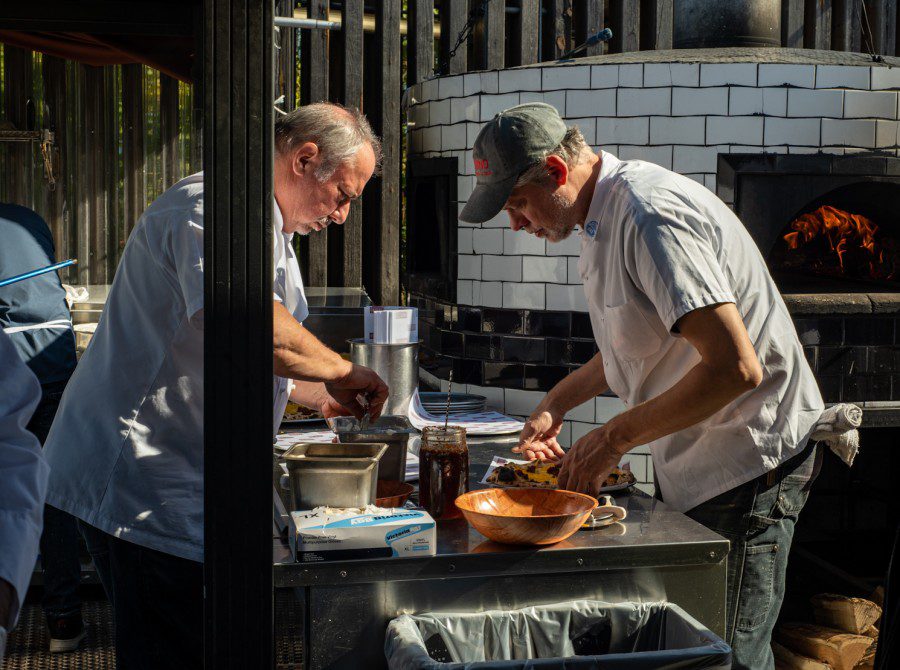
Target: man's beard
{"points": [[562, 222]]}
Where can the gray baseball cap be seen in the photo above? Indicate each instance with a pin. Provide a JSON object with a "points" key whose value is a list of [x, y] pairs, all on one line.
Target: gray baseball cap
{"points": [[507, 145]]}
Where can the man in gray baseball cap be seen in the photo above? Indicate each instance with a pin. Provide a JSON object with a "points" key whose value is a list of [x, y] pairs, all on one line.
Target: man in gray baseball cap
{"points": [[692, 335]]}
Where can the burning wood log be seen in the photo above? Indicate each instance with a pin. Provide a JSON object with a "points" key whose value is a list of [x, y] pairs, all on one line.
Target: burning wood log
{"points": [[841, 651], [851, 615]]}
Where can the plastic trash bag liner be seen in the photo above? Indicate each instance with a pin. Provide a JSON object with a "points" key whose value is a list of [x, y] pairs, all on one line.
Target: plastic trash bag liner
{"points": [[575, 635]]}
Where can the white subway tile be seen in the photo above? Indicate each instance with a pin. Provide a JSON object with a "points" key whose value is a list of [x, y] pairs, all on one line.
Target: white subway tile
{"points": [[501, 268], [419, 115], [566, 77], [849, 132], [521, 402], [572, 272], [591, 103], [699, 101], [429, 90], [569, 297], [472, 130], [631, 130], [463, 292], [805, 151], [415, 140], [678, 129], [490, 82], [885, 77], [523, 296], [584, 412], [775, 149], [464, 239], [499, 221], [571, 246], [661, 155], [556, 99], [464, 109], [431, 139], [488, 241], [439, 112], [491, 294], [643, 101], [565, 435], [493, 395], [709, 181], [453, 137], [638, 465], [466, 162], [580, 429], [815, 103], [587, 126], [552, 270], [491, 105], [688, 160], [450, 87], [640, 449], [734, 130], [631, 75], [779, 74], [522, 243], [842, 76], [468, 267], [886, 134], [768, 101], [650, 473], [728, 74], [671, 74], [606, 408], [870, 104], [471, 83], [604, 76], [694, 177], [792, 131], [526, 79], [774, 102]]}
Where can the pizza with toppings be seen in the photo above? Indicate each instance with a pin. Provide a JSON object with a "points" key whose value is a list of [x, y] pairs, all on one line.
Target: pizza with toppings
{"points": [[544, 475]]}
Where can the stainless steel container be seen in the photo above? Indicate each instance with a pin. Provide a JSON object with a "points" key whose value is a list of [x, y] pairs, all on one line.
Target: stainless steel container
{"points": [[336, 475], [396, 364], [394, 431]]}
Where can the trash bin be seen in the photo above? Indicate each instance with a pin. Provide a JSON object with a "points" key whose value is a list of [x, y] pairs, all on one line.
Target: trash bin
{"points": [[581, 634]]}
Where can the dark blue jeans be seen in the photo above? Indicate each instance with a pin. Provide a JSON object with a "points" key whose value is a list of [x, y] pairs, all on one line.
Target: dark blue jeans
{"points": [[758, 519], [60, 540], [157, 602]]}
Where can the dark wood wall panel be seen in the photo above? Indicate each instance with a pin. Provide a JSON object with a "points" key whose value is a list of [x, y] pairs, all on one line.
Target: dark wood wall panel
{"points": [[352, 94]]}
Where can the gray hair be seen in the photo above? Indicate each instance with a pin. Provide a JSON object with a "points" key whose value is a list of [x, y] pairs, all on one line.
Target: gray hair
{"points": [[339, 132], [572, 149]]}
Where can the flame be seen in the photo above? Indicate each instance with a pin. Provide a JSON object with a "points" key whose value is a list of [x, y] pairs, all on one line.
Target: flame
{"points": [[843, 232]]}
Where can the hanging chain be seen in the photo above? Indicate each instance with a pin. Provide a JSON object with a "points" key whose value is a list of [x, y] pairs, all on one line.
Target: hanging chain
{"points": [[47, 155], [464, 35]]}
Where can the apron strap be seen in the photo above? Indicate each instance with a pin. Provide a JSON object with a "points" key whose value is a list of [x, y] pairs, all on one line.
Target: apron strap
{"points": [[58, 324]]}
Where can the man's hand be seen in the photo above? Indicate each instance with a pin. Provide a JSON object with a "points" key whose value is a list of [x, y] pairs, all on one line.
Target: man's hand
{"points": [[538, 437], [362, 381], [589, 462]]}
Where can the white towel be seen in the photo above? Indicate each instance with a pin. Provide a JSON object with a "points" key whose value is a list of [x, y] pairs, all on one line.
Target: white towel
{"points": [[837, 427]]}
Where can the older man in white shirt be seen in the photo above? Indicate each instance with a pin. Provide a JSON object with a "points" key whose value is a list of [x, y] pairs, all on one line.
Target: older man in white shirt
{"points": [[693, 337], [23, 484], [134, 406]]}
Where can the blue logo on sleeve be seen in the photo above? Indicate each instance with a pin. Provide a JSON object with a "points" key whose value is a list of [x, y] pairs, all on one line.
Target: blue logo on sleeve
{"points": [[590, 228]]}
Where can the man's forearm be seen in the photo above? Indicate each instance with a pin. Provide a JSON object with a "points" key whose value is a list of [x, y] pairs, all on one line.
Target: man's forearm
{"points": [[308, 394], [298, 354], [585, 383], [702, 392]]}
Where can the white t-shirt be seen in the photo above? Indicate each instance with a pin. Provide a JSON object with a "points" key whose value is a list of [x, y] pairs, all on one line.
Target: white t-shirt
{"points": [[23, 472], [655, 246], [126, 447]]}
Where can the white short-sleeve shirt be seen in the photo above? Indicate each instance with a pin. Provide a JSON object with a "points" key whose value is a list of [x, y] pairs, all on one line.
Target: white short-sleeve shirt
{"points": [[655, 246], [126, 447]]}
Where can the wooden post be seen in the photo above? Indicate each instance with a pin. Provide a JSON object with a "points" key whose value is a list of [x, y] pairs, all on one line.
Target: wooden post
{"points": [[817, 24], [111, 165], [626, 18], [18, 81], [352, 43], [286, 58], [883, 21], [494, 22], [133, 147], [314, 84], [792, 23], [420, 41], [557, 26], [168, 129], [54, 74], [453, 17], [237, 182], [656, 24], [589, 20], [386, 122], [529, 20], [846, 32]]}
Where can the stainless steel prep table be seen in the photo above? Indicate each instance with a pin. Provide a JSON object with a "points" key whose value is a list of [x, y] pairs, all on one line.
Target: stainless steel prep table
{"points": [[656, 554]]}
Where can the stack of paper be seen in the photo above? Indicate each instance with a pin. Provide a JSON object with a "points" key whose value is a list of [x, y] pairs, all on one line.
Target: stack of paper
{"points": [[391, 325], [475, 423]]}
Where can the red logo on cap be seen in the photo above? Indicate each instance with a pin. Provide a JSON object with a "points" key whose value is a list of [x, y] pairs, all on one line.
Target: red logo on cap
{"points": [[481, 168]]}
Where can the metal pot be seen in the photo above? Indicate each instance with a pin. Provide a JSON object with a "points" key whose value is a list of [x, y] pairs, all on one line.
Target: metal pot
{"points": [[393, 431], [702, 24], [396, 364], [335, 475]]}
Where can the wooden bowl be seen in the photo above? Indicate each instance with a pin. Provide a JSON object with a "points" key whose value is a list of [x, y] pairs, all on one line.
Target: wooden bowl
{"points": [[392, 494], [525, 516]]}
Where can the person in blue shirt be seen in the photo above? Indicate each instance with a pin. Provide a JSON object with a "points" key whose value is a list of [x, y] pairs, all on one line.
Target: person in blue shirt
{"points": [[35, 316]]}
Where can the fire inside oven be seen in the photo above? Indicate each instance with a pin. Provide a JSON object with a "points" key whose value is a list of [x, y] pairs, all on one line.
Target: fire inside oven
{"points": [[849, 235]]}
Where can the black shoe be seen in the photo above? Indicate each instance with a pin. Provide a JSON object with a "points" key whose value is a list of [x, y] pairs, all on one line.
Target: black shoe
{"points": [[66, 633]]}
